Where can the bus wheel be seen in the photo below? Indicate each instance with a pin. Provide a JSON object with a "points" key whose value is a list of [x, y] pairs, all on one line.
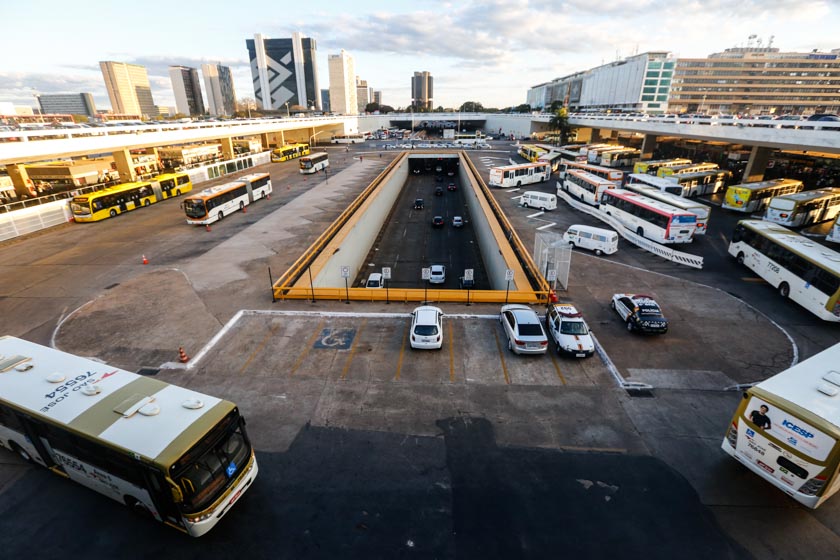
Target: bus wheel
{"points": [[220, 216], [146, 202], [784, 289], [177, 192], [640, 232], [519, 183], [599, 252], [137, 507], [113, 213], [740, 258], [629, 326], [22, 453], [241, 206]]}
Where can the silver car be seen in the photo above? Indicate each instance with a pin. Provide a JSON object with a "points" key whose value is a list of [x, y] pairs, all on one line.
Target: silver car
{"points": [[524, 331]]}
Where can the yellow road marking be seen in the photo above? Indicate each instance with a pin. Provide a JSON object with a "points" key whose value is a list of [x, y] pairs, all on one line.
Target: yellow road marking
{"points": [[451, 358], [556, 365], [353, 349], [259, 348], [501, 356], [402, 353], [309, 345]]}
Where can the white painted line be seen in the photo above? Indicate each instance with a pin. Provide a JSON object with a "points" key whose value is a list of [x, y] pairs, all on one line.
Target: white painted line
{"points": [[552, 224], [515, 197], [514, 190], [537, 214]]}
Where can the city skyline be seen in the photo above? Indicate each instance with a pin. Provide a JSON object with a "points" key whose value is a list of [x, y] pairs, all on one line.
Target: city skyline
{"points": [[490, 52]]}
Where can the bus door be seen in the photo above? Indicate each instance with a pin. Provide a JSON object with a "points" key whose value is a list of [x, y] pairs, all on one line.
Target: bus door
{"points": [[165, 496]]}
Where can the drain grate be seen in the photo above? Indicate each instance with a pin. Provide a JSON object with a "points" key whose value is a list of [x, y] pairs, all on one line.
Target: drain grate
{"points": [[148, 371], [641, 393]]}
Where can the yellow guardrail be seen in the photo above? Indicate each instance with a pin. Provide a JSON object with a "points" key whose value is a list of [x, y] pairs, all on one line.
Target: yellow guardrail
{"points": [[403, 295]]}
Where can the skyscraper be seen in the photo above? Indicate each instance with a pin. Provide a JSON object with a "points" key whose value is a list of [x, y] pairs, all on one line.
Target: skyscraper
{"points": [[362, 94], [67, 104], [377, 97], [421, 90], [284, 71], [218, 83], [128, 88], [342, 88], [187, 90], [325, 101]]}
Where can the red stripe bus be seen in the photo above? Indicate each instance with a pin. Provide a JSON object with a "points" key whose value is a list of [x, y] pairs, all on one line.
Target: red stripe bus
{"points": [[613, 175], [655, 220]]}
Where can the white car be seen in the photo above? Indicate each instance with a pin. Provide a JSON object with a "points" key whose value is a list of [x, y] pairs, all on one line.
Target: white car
{"points": [[523, 329], [570, 333], [427, 328], [438, 274], [457, 221]]}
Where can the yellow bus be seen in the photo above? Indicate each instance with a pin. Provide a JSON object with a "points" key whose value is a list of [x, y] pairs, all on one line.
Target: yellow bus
{"points": [[754, 197], [651, 166], [530, 152], [289, 151], [171, 454], [125, 197], [786, 429]]}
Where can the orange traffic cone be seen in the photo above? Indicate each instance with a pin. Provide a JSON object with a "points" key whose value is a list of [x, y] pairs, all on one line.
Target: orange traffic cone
{"points": [[145, 260], [208, 227], [182, 356], [244, 209]]}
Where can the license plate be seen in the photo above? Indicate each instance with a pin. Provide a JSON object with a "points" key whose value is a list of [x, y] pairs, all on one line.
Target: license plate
{"points": [[580, 355], [532, 345]]}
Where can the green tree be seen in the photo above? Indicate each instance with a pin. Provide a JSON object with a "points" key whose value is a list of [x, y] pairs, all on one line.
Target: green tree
{"points": [[560, 124], [372, 107], [386, 109], [471, 107], [524, 108]]}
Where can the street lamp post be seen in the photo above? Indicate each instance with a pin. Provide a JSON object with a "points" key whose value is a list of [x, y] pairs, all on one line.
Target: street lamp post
{"points": [[312, 138]]}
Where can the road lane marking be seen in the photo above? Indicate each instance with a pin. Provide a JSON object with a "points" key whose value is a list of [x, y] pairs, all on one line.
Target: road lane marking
{"points": [[353, 349], [556, 366], [501, 355], [402, 353], [259, 347], [309, 344], [552, 224], [537, 214], [451, 358]]}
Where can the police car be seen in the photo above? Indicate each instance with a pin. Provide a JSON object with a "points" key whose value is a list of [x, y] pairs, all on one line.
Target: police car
{"points": [[640, 313], [570, 333]]}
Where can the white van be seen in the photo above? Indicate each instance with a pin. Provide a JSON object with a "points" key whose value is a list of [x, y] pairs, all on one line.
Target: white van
{"points": [[595, 239], [534, 199], [375, 280]]}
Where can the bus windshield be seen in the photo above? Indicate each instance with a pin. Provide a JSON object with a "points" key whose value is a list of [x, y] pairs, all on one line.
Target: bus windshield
{"points": [[194, 208], [212, 464], [779, 203]]}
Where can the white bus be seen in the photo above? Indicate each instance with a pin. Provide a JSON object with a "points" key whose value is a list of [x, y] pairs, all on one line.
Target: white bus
{"points": [[701, 183], [613, 175], [519, 174], [786, 429], [620, 158], [348, 139], [313, 163], [567, 155], [664, 185], [214, 203], [649, 218], [834, 233], [804, 208], [593, 155], [584, 186], [700, 210], [551, 158], [169, 453], [800, 269], [753, 197]]}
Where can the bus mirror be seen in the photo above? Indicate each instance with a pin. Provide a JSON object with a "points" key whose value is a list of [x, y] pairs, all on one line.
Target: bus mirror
{"points": [[177, 495], [744, 395]]}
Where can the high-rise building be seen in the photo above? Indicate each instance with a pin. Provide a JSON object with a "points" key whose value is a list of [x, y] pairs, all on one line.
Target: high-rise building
{"points": [[757, 80], [376, 97], [67, 104], [187, 90], [326, 106], [284, 71], [128, 88], [218, 83], [342, 87], [421, 90], [637, 83], [362, 94]]}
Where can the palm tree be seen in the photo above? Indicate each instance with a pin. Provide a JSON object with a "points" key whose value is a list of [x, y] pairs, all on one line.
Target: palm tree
{"points": [[560, 124]]}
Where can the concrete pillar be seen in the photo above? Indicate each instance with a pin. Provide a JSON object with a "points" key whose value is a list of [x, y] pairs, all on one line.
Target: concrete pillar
{"points": [[311, 135], [595, 136], [264, 140], [648, 146], [227, 148], [282, 138], [125, 166], [757, 164], [20, 179]]}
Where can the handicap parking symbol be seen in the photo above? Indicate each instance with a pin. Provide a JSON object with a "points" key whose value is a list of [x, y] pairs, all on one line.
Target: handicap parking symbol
{"points": [[336, 339]]}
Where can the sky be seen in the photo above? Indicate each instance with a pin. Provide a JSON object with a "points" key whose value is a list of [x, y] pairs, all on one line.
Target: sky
{"points": [[486, 51]]}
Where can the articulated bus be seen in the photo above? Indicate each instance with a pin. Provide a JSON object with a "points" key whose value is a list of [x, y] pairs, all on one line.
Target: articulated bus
{"points": [[125, 197], [804, 208], [834, 233], [702, 211], [348, 139], [649, 218], [289, 151], [613, 175], [620, 158], [314, 163], [667, 170], [584, 186], [519, 174], [787, 427], [754, 197], [214, 203], [651, 166], [702, 183], [530, 152], [800, 269], [168, 453]]}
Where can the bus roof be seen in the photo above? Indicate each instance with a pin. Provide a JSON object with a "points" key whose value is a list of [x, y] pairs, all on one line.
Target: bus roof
{"points": [[656, 205], [213, 191], [115, 189], [672, 199], [765, 184], [805, 247], [807, 196], [518, 165], [652, 180], [589, 177], [699, 174], [129, 411], [251, 177], [802, 384]]}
